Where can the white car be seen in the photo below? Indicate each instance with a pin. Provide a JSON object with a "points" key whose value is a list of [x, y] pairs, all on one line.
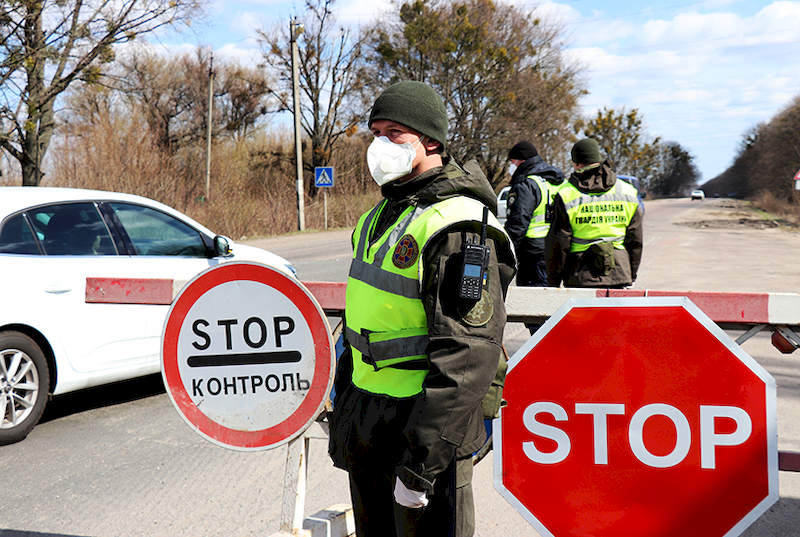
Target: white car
{"points": [[698, 195], [502, 204], [86, 279]]}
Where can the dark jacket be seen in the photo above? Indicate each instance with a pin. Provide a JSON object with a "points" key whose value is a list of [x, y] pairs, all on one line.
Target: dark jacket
{"points": [[421, 435], [524, 197], [575, 269]]}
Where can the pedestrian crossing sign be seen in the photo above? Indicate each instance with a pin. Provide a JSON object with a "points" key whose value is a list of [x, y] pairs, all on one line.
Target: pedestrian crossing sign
{"points": [[323, 176]]}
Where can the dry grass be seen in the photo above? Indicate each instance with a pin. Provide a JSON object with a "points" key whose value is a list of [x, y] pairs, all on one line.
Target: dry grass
{"points": [[252, 187], [784, 210], [120, 156]]}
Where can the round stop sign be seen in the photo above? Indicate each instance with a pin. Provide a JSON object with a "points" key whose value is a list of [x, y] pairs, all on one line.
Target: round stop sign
{"points": [[636, 417], [247, 356]]}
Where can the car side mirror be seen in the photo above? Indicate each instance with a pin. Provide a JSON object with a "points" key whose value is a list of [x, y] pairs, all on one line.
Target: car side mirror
{"points": [[222, 246]]}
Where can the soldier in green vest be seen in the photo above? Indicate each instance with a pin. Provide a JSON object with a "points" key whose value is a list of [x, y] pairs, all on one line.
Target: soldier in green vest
{"points": [[595, 239], [419, 359], [534, 183]]}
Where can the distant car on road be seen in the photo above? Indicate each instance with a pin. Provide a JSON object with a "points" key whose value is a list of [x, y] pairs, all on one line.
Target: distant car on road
{"points": [[698, 195], [60, 251], [638, 186]]}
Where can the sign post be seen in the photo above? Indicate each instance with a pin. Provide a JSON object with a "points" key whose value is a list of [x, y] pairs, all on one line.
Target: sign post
{"points": [[247, 359], [637, 417], [323, 178]]}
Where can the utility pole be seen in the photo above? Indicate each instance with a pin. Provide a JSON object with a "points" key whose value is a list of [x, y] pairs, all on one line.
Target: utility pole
{"points": [[295, 29], [208, 126]]}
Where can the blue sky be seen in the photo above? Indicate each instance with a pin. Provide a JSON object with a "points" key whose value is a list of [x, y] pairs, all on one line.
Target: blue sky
{"points": [[701, 73]]}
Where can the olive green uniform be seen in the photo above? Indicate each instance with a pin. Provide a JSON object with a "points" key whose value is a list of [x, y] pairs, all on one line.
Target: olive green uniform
{"points": [[595, 239], [411, 414]]}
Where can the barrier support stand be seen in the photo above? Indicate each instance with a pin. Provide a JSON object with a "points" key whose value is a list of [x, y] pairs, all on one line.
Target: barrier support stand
{"points": [[750, 333], [336, 521], [295, 478]]}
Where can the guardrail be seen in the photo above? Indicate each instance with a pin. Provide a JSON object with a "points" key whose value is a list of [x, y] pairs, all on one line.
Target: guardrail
{"points": [[751, 312]]}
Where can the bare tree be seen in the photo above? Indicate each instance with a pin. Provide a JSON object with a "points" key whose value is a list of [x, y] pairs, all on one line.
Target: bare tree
{"points": [[329, 60], [498, 68], [165, 92], [622, 135], [49, 44], [767, 159], [779, 153], [172, 94], [244, 98], [677, 171]]}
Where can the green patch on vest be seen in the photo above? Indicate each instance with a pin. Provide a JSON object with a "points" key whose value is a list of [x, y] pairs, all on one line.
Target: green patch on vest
{"points": [[481, 312]]}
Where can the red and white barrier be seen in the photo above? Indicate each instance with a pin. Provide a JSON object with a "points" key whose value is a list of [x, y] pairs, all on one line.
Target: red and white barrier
{"points": [[132, 290], [753, 311], [729, 309], [779, 312], [530, 303], [522, 303]]}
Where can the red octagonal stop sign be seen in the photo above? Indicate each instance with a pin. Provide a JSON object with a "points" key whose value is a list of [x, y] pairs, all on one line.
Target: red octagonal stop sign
{"points": [[636, 417]]}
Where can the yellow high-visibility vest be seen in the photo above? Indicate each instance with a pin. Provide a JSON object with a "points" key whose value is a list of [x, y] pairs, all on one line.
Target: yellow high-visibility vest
{"points": [[598, 218], [387, 327], [539, 227]]}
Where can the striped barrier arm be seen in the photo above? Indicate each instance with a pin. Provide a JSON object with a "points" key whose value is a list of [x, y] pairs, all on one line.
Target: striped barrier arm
{"points": [[732, 311], [729, 310]]}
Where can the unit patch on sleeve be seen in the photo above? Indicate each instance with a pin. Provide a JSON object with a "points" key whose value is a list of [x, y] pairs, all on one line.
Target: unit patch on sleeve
{"points": [[406, 252], [481, 312]]}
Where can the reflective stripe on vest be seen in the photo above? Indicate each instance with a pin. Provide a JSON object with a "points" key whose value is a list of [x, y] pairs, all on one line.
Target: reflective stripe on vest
{"points": [[387, 327], [538, 228], [599, 218]]}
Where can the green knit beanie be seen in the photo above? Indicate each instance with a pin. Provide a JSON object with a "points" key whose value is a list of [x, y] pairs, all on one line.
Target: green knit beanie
{"points": [[413, 104], [586, 151]]}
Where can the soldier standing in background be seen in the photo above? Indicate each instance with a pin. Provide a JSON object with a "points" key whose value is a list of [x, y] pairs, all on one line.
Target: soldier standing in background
{"points": [[596, 238]]}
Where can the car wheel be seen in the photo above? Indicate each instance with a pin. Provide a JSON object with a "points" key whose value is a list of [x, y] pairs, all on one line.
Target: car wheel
{"points": [[24, 383]]}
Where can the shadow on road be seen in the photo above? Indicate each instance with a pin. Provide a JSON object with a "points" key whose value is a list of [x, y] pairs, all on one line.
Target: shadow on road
{"points": [[101, 396], [22, 533]]}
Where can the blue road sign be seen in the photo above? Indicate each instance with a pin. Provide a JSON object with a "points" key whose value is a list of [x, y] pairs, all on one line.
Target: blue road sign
{"points": [[323, 176]]}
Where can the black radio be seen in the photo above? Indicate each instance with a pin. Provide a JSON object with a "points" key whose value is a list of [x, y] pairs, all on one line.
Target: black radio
{"points": [[476, 261]]}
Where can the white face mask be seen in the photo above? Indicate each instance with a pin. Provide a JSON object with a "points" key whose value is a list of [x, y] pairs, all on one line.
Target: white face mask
{"points": [[388, 161], [512, 168]]}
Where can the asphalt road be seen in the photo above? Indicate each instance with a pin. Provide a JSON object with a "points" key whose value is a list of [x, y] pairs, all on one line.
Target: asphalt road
{"points": [[118, 461]]}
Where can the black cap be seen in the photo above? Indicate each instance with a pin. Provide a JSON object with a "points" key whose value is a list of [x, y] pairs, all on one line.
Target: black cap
{"points": [[522, 151]]}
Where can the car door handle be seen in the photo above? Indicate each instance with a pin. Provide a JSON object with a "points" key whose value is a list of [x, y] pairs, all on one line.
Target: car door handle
{"points": [[57, 288]]}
